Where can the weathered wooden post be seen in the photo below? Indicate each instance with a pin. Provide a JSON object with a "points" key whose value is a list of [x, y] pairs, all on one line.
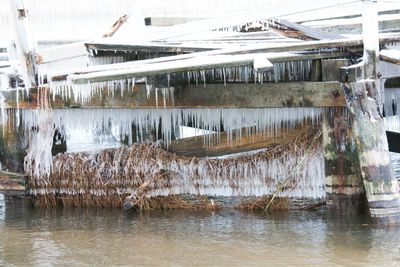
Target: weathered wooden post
{"points": [[343, 184], [363, 100], [24, 45]]}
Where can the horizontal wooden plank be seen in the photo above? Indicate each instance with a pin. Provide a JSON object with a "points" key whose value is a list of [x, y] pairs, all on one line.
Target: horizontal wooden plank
{"points": [[274, 57], [233, 95], [391, 56], [310, 32], [197, 147]]}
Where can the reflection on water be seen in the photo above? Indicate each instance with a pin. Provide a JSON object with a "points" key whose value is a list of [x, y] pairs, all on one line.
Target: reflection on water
{"points": [[227, 238], [2, 207]]}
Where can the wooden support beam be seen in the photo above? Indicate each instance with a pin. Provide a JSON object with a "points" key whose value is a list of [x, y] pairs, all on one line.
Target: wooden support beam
{"points": [[233, 95], [113, 46], [362, 97], [344, 185], [121, 20], [11, 182], [169, 21], [25, 45], [310, 32], [391, 56], [13, 145], [331, 69], [199, 147], [274, 57]]}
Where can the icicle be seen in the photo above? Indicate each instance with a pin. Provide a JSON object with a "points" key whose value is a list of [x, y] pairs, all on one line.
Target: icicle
{"points": [[38, 161], [148, 88], [4, 116]]}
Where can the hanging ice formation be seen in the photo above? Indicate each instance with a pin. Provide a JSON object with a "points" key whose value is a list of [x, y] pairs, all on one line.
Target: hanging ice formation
{"points": [[296, 168], [38, 161], [392, 110], [285, 71], [266, 121], [392, 101], [4, 116]]}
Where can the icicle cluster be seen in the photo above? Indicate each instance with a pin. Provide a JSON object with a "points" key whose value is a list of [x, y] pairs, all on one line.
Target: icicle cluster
{"points": [[285, 71], [3, 113], [116, 173], [263, 120], [38, 161], [392, 101], [392, 123], [256, 25]]}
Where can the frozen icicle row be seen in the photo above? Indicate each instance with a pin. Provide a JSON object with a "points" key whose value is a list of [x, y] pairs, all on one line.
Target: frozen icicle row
{"points": [[392, 101], [286, 71], [83, 93], [392, 123], [264, 120], [102, 60]]}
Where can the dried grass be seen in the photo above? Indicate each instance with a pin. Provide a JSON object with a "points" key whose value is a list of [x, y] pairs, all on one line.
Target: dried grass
{"points": [[136, 173], [261, 203]]}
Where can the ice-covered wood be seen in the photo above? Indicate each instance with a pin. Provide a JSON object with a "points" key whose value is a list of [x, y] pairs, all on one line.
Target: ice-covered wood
{"points": [[249, 141], [391, 56], [310, 32], [203, 62], [24, 45], [250, 95], [62, 52]]}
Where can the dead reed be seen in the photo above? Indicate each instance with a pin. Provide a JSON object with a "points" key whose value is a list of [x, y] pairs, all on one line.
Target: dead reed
{"points": [[151, 178]]}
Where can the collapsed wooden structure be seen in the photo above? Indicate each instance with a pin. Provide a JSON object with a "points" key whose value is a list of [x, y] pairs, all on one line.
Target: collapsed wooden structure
{"points": [[251, 89]]}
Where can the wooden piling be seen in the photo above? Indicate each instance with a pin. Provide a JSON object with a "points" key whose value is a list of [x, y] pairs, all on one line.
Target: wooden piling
{"points": [[344, 186], [363, 101]]}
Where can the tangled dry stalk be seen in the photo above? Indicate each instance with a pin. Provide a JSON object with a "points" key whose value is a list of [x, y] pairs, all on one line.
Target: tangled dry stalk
{"points": [[149, 177]]}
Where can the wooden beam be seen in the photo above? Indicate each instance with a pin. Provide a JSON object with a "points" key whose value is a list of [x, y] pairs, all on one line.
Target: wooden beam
{"points": [[121, 20], [362, 98], [113, 46], [25, 45], [391, 56], [197, 147], [233, 95], [310, 32], [199, 60], [61, 52], [273, 57], [169, 21]]}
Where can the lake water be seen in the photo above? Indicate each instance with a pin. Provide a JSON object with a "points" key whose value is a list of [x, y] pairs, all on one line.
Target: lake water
{"points": [[111, 237], [106, 237]]}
